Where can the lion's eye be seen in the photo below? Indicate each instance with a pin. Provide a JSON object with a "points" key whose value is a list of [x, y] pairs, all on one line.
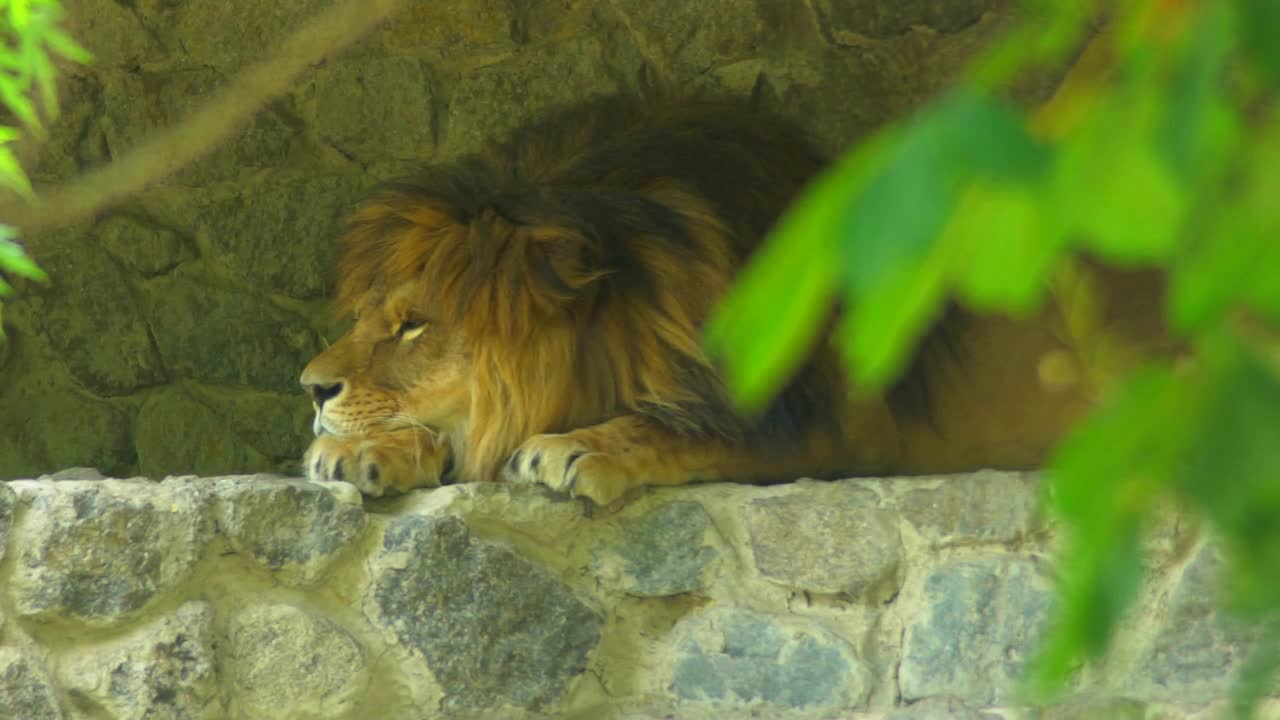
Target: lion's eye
{"points": [[410, 329]]}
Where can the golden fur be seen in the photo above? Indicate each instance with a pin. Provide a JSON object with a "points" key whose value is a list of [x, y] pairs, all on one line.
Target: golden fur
{"points": [[534, 313]]}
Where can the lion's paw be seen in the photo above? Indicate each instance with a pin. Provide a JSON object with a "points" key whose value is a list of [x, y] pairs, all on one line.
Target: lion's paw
{"points": [[568, 465], [378, 465]]}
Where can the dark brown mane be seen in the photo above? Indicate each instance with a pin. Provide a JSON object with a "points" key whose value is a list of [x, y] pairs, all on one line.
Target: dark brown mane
{"points": [[582, 256]]}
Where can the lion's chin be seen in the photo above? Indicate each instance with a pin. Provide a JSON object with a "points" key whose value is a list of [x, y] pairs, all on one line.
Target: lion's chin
{"points": [[317, 426]]}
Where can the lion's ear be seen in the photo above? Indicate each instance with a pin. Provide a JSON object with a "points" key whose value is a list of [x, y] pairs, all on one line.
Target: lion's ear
{"points": [[561, 266]]}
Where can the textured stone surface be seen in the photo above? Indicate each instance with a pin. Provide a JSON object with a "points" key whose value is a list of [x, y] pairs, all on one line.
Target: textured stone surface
{"points": [[94, 323], [827, 543], [255, 343], [279, 236], [355, 95], [986, 506], [68, 427], [1196, 651], [98, 551], [977, 629], [851, 21], [493, 627], [288, 663], [178, 433], [293, 527], [141, 245], [737, 657], [164, 670], [25, 691], [940, 709], [7, 502], [669, 550], [493, 100]]}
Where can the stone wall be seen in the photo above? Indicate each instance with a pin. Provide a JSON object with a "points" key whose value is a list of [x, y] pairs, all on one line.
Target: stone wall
{"points": [[266, 597], [175, 325]]}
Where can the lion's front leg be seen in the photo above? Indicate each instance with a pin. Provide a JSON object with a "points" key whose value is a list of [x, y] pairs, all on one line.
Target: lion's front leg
{"points": [[382, 463], [604, 461]]}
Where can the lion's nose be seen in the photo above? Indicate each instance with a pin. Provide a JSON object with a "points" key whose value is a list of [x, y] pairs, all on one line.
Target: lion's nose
{"points": [[322, 393]]}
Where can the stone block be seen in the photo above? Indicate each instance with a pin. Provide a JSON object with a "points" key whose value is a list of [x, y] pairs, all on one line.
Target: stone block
{"points": [[279, 235], [940, 708], [855, 22], [972, 628], [223, 336], [141, 245], [99, 551], [493, 627], [92, 320], [984, 507], [178, 434], [669, 550], [293, 528], [286, 662], [736, 657], [165, 670], [25, 691], [827, 542], [392, 94], [8, 499]]}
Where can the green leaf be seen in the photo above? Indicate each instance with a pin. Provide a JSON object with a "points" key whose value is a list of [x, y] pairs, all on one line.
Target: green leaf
{"points": [[1102, 477], [1123, 199], [882, 325], [12, 175], [1199, 128], [1257, 24], [1002, 247], [773, 314], [14, 259], [986, 137], [14, 97], [68, 48]]}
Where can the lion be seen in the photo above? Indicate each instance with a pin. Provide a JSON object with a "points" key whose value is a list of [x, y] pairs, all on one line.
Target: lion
{"points": [[533, 313]]}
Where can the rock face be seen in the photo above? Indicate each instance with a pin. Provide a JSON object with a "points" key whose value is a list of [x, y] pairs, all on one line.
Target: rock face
{"points": [[259, 596], [172, 318]]}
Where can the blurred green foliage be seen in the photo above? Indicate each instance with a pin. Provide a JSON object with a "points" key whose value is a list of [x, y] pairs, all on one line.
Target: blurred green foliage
{"points": [[29, 37], [1167, 155]]}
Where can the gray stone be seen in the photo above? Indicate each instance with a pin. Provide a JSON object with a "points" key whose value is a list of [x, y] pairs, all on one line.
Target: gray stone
{"points": [[1196, 651], [165, 670], [226, 336], [98, 551], [973, 628], [278, 426], [93, 322], [853, 22], [939, 709], [1099, 709], [493, 627], [7, 502], [733, 656], [292, 527], [25, 692], [794, 542], [392, 94], [285, 662], [491, 101], [987, 506], [142, 246], [280, 234], [178, 434], [669, 550]]}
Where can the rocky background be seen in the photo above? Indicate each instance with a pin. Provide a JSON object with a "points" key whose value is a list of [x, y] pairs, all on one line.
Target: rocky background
{"points": [[257, 597], [175, 326]]}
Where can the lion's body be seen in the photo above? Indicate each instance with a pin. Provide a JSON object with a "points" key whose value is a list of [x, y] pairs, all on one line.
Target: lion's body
{"points": [[535, 312]]}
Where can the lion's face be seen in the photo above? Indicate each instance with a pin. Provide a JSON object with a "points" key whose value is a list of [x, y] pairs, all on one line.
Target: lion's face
{"points": [[398, 366]]}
